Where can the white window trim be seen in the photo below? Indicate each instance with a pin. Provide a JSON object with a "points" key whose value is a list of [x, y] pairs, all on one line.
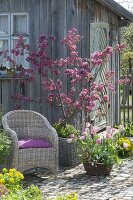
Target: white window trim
{"points": [[6, 14], [12, 21]]}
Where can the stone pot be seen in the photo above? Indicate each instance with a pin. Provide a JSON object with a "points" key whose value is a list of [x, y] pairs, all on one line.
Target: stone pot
{"points": [[68, 155]]}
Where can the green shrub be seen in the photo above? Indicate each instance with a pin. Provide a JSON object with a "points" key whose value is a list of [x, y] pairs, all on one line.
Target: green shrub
{"points": [[11, 179], [124, 147], [5, 145], [65, 131], [71, 196], [31, 192], [128, 129]]}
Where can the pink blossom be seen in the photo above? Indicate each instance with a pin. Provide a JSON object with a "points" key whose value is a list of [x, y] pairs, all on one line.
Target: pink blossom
{"points": [[106, 98], [85, 64], [87, 130], [69, 140], [120, 46], [72, 136], [99, 141], [108, 129], [82, 137], [84, 133], [94, 130], [108, 135]]}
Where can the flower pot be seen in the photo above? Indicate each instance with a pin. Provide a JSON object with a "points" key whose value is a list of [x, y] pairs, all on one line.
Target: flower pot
{"points": [[97, 170], [67, 153], [11, 73]]}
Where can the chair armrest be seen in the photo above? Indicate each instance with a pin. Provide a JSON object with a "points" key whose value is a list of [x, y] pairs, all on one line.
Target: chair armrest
{"points": [[49, 133], [52, 136]]}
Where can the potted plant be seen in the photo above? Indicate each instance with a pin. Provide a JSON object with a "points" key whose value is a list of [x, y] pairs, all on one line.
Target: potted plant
{"points": [[97, 151], [124, 147], [11, 72], [5, 147], [67, 151], [128, 131]]}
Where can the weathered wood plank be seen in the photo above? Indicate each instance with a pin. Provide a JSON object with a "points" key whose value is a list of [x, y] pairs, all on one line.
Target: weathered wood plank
{"points": [[58, 51], [117, 9], [46, 27], [34, 27], [14, 6]]}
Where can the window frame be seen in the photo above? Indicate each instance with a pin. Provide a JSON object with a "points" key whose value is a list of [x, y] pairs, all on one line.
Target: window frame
{"points": [[12, 23], [10, 36]]}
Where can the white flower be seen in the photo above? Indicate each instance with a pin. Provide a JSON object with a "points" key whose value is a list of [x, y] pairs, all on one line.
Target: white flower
{"points": [[70, 140], [125, 145], [88, 125], [121, 128]]}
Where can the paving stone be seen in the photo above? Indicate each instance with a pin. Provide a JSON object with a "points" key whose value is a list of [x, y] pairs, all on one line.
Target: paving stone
{"points": [[117, 186]]}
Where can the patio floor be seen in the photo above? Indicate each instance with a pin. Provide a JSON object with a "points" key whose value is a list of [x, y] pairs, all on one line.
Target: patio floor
{"points": [[117, 186]]}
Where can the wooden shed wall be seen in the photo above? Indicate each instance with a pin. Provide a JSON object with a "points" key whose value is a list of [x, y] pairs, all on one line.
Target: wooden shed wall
{"points": [[56, 17]]}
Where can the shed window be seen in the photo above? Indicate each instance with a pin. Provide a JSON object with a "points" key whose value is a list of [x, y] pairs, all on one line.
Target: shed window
{"points": [[11, 26]]}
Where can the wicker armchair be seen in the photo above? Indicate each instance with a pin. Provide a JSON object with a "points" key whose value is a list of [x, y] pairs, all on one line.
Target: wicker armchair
{"points": [[26, 124]]}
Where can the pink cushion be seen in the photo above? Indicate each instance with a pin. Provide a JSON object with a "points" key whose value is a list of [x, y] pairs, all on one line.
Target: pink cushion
{"points": [[30, 143]]}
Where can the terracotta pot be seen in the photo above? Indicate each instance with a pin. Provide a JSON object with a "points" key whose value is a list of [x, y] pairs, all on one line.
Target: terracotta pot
{"points": [[98, 170]]}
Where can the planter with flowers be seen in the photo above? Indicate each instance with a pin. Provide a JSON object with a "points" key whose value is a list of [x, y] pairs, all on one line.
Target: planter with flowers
{"points": [[128, 131], [98, 151], [124, 147], [125, 140], [67, 151]]}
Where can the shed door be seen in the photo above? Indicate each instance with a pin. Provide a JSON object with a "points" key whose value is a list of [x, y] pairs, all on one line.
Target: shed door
{"points": [[99, 39]]}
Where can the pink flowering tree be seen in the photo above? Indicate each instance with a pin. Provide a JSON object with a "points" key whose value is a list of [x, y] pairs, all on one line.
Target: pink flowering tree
{"points": [[83, 93]]}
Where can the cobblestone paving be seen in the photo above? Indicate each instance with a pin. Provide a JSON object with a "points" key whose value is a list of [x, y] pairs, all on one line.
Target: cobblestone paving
{"points": [[117, 186]]}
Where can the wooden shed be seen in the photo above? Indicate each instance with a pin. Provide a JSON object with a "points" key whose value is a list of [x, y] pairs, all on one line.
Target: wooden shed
{"points": [[98, 21]]}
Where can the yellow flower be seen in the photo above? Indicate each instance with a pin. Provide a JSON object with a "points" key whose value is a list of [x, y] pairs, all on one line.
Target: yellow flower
{"points": [[21, 176], [1, 175], [10, 174], [11, 171], [2, 181], [16, 175], [11, 180], [14, 170]]}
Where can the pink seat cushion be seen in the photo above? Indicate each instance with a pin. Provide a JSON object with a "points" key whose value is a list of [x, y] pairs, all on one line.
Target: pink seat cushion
{"points": [[36, 143]]}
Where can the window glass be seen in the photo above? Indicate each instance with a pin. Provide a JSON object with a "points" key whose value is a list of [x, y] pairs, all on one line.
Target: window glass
{"points": [[19, 24], [4, 25], [3, 46]]}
